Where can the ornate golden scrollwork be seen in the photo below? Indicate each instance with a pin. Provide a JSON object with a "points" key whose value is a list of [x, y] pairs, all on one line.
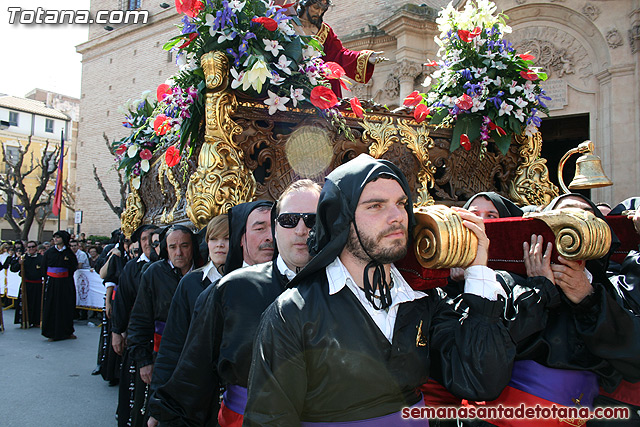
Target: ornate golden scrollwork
{"points": [[419, 142], [164, 169], [531, 185], [381, 135], [132, 216], [580, 235], [221, 180], [441, 241]]}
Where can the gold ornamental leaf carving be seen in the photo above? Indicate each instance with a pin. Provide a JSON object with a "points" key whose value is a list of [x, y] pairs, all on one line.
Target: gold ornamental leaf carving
{"points": [[531, 185], [380, 135], [132, 216], [419, 142], [167, 216]]}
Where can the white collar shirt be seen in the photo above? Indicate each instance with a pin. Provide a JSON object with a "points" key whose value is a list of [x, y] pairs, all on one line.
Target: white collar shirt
{"points": [[210, 272]]}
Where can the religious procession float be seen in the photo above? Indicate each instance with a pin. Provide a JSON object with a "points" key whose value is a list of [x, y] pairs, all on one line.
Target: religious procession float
{"points": [[254, 107]]}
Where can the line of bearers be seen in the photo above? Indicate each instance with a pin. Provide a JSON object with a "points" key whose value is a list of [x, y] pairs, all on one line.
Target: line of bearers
{"points": [[307, 321]]}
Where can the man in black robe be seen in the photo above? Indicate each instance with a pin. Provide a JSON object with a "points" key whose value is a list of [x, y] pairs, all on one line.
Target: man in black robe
{"points": [[179, 253], [217, 352], [59, 291], [351, 341], [125, 297], [33, 271]]}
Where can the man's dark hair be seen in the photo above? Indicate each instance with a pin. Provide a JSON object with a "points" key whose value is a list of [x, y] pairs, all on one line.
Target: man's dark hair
{"points": [[304, 4]]}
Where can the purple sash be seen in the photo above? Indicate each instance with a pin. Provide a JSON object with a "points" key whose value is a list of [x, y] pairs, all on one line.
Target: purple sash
{"points": [[555, 385], [57, 270], [235, 398], [159, 327], [391, 420]]}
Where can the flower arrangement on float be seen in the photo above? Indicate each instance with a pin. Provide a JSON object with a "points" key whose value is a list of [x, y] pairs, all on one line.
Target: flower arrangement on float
{"points": [[484, 89]]}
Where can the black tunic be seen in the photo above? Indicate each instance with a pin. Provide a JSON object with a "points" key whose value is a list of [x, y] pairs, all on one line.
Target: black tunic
{"points": [[175, 332], [59, 295], [157, 286], [218, 348], [321, 358], [33, 273], [126, 295]]}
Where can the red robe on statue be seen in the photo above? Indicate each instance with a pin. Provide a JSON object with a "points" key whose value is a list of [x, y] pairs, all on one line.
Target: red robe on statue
{"points": [[355, 63]]}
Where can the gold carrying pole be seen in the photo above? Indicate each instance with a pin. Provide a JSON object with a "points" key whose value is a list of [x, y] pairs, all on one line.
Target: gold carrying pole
{"points": [[589, 172]]}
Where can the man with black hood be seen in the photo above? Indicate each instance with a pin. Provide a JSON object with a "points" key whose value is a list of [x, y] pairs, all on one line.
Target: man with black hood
{"points": [[217, 352], [250, 239], [179, 254], [59, 303], [125, 297], [351, 341]]}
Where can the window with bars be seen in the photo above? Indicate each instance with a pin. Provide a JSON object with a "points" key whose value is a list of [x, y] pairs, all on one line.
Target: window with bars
{"points": [[48, 125], [132, 4], [11, 156]]}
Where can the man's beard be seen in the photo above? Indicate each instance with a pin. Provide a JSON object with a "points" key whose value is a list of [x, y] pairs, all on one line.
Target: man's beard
{"points": [[315, 20], [383, 255]]}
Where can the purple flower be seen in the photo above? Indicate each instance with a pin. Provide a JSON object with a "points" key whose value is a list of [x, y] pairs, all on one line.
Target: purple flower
{"points": [[188, 27], [496, 100], [466, 73]]}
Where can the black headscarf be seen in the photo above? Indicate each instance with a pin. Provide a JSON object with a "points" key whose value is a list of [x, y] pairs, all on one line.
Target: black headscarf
{"points": [[164, 252], [506, 208], [602, 263], [237, 226], [629, 204], [336, 211], [136, 235], [66, 237]]}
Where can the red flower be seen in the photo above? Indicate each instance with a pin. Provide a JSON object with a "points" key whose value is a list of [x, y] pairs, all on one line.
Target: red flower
{"points": [[464, 142], [161, 125], [285, 6], [464, 102], [172, 156], [413, 99], [146, 154], [189, 7], [421, 112], [431, 63], [323, 97], [529, 75], [497, 128], [356, 107], [467, 36], [187, 42], [162, 91], [121, 149], [336, 72], [267, 23], [527, 57]]}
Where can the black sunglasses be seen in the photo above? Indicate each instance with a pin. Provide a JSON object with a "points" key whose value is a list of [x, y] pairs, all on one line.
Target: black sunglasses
{"points": [[290, 220], [30, 247]]}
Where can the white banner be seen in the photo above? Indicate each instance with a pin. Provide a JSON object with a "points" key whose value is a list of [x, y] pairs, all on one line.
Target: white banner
{"points": [[90, 292], [13, 283]]}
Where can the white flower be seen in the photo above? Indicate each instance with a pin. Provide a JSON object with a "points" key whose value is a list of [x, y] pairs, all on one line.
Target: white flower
{"points": [[237, 78], [276, 79], [520, 103], [285, 27], [272, 46], [498, 65], [210, 22], [224, 37], [505, 109], [236, 5], [530, 130], [256, 76], [144, 165], [132, 150], [148, 96], [426, 82], [310, 52], [477, 105], [135, 181], [276, 102], [296, 96], [519, 114], [478, 72], [513, 88], [283, 64], [135, 104]]}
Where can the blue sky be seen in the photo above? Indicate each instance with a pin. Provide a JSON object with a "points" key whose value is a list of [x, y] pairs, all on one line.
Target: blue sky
{"points": [[41, 55]]}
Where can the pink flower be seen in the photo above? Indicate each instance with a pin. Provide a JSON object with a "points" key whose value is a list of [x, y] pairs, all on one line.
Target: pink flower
{"points": [[413, 99], [356, 106], [146, 154], [464, 102], [172, 156], [189, 7], [421, 112], [162, 91], [323, 97]]}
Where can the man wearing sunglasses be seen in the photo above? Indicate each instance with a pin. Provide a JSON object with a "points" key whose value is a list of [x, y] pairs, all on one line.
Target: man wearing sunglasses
{"points": [[32, 264], [217, 352]]}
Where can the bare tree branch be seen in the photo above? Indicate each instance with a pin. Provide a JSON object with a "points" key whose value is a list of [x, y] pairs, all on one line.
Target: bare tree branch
{"points": [[124, 186]]}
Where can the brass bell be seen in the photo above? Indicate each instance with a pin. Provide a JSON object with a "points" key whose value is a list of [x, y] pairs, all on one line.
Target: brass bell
{"points": [[589, 172]]}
